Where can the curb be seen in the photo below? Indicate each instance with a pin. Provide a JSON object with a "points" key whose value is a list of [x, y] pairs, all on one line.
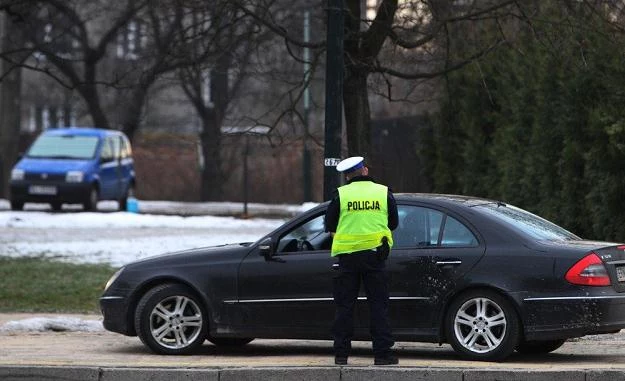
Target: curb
{"points": [[23, 373]]}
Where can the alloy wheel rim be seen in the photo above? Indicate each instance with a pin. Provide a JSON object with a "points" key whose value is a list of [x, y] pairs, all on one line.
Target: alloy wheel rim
{"points": [[176, 322], [480, 325]]}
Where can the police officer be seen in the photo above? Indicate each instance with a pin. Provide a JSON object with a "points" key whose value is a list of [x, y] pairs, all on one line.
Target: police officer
{"points": [[361, 216]]}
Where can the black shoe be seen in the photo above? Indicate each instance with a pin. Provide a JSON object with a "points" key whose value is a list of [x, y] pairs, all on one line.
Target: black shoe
{"points": [[340, 360], [386, 360]]}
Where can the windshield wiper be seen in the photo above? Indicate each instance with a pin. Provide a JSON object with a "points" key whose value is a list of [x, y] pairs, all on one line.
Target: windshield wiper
{"points": [[59, 157]]}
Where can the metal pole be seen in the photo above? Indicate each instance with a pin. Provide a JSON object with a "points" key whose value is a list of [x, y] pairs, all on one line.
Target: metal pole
{"points": [[306, 153], [334, 97], [245, 175]]}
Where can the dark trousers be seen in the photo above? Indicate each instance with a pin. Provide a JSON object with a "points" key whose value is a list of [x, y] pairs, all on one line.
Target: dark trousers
{"points": [[356, 268]]}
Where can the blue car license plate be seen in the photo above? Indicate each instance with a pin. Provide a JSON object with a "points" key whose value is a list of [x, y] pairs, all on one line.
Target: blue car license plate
{"points": [[42, 190]]}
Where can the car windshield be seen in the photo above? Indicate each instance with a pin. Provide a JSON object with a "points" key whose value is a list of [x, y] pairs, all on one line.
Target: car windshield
{"points": [[528, 223], [64, 147]]}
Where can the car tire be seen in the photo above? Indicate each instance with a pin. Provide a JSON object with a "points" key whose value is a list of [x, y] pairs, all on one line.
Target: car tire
{"points": [[482, 325], [171, 320], [230, 342], [123, 202], [538, 347], [91, 204], [17, 205]]}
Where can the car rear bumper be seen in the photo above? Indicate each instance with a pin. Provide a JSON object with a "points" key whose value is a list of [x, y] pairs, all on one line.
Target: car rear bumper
{"points": [[115, 313], [548, 318], [64, 192]]}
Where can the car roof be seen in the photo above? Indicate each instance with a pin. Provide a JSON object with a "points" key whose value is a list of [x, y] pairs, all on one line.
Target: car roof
{"points": [[81, 131], [445, 199]]}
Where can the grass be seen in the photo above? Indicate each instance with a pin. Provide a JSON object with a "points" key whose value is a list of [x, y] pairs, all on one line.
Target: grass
{"points": [[43, 285]]}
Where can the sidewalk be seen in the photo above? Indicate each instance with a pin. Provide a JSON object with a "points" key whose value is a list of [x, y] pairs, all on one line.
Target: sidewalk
{"points": [[106, 349]]}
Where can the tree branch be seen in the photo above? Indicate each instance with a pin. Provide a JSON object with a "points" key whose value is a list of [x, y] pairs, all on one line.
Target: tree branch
{"points": [[433, 74]]}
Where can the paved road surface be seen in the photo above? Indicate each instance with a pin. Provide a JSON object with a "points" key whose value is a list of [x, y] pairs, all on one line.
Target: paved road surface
{"points": [[109, 349]]}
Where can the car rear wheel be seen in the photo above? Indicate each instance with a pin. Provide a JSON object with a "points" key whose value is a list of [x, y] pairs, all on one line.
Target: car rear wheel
{"points": [[482, 325], [229, 341], [539, 346], [170, 320], [123, 202], [17, 205], [91, 204]]}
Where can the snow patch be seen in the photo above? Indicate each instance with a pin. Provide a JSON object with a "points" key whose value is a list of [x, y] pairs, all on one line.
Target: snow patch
{"points": [[54, 324]]}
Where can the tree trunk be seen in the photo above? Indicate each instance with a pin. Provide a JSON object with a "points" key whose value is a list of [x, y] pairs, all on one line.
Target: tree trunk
{"points": [[210, 137], [92, 99], [212, 120], [357, 113], [131, 119], [10, 96]]}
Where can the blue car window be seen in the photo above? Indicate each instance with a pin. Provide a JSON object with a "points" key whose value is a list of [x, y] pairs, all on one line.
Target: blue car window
{"points": [[64, 147], [108, 152]]}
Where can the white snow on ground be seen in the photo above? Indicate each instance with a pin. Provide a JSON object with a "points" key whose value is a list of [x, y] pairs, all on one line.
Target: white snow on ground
{"points": [[56, 324], [120, 237], [43, 220]]}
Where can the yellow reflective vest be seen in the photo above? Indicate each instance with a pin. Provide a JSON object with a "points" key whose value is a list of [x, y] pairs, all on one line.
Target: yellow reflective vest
{"points": [[363, 218]]}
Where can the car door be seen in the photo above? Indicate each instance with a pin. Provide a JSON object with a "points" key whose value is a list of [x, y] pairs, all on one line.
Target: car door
{"points": [[292, 290], [126, 165], [108, 169], [432, 251]]}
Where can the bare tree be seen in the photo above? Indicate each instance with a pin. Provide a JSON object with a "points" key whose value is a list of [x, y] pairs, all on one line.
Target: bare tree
{"points": [[381, 40], [11, 46], [111, 54]]}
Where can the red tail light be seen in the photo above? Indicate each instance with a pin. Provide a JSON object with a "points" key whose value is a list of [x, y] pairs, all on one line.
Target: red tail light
{"points": [[588, 271]]}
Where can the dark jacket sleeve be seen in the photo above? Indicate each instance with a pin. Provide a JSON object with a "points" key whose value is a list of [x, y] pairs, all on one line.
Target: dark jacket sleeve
{"points": [[393, 218], [332, 214]]}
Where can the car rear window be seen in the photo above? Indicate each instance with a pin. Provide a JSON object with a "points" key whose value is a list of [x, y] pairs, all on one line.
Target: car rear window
{"points": [[64, 147], [530, 224]]}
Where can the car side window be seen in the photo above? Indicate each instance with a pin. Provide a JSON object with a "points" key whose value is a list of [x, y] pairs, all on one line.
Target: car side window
{"points": [[418, 227], [108, 153], [117, 147], [126, 150], [308, 236], [456, 234]]}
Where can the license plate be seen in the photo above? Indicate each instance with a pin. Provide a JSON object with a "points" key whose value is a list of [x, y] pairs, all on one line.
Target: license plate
{"points": [[42, 190], [620, 273]]}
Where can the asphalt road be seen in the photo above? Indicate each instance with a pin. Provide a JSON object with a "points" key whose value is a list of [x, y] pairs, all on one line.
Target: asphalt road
{"points": [[605, 352]]}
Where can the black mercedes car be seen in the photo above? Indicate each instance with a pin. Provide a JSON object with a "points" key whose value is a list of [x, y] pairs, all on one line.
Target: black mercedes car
{"points": [[484, 276]]}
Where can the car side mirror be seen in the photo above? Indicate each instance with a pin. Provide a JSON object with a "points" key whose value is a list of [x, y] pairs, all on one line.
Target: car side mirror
{"points": [[264, 248]]}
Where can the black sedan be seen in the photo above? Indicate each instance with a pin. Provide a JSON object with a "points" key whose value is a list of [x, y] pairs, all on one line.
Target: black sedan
{"points": [[484, 276]]}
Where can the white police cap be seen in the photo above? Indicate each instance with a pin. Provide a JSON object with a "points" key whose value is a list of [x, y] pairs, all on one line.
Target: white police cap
{"points": [[350, 164]]}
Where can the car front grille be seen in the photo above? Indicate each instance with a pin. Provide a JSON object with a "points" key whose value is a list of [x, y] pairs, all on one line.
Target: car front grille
{"points": [[45, 177]]}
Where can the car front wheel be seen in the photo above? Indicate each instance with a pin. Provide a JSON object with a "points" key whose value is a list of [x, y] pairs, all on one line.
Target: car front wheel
{"points": [[170, 320], [17, 205], [482, 325], [91, 204]]}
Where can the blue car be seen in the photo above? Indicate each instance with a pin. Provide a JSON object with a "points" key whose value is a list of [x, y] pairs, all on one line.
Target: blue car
{"points": [[74, 165]]}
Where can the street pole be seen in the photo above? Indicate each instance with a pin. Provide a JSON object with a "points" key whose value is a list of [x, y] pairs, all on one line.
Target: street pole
{"points": [[334, 97], [306, 155], [246, 152]]}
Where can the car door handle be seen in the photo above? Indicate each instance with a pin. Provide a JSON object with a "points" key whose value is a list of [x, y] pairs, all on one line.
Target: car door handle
{"points": [[448, 263]]}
